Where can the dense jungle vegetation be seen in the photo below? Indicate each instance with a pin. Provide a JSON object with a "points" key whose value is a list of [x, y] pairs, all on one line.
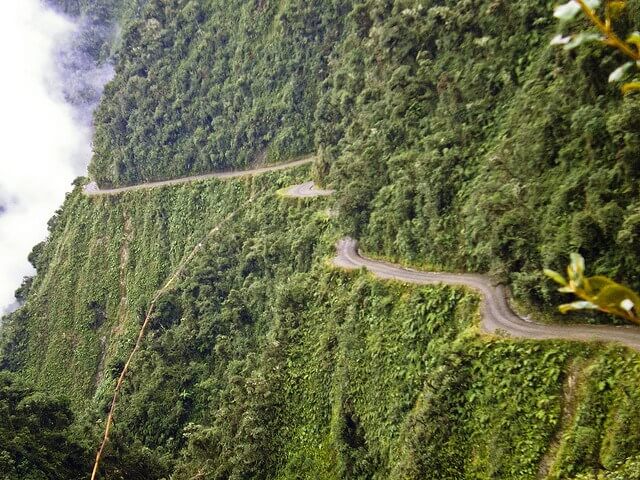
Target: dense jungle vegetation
{"points": [[455, 137], [204, 86], [266, 362], [459, 138], [503, 158]]}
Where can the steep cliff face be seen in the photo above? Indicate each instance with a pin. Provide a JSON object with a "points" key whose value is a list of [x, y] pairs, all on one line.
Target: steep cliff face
{"points": [[455, 134], [454, 137], [214, 85], [264, 361], [458, 137]]}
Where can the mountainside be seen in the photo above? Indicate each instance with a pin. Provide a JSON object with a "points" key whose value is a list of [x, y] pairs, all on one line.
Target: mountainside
{"points": [[444, 127], [457, 137], [266, 362], [454, 137], [214, 85]]}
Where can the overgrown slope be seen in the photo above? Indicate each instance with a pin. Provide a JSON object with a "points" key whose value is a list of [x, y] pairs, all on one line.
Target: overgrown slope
{"points": [[454, 136], [266, 362], [202, 86], [459, 138]]}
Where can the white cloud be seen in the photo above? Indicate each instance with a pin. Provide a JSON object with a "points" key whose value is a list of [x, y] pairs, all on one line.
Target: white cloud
{"points": [[42, 149]]}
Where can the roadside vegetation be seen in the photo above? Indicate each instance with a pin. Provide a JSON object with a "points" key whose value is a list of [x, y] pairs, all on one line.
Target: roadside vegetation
{"points": [[455, 137], [460, 140], [266, 362], [599, 292]]}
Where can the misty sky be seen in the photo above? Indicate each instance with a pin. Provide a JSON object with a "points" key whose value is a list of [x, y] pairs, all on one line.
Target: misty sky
{"points": [[42, 149]]}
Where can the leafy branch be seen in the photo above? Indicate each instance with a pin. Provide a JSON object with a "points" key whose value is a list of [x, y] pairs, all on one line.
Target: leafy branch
{"points": [[596, 293], [599, 292], [604, 23]]}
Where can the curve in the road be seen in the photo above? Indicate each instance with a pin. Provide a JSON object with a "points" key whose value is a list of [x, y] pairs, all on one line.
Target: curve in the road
{"points": [[497, 316], [92, 189], [306, 190]]}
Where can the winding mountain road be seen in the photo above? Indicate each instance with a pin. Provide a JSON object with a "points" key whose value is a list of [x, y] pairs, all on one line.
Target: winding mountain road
{"points": [[497, 316], [92, 189]]}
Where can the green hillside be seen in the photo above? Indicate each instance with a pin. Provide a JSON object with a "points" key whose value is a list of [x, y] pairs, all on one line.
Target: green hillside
{"points": [[455, 137], [459, 138], [203, 86], [266, 362]]}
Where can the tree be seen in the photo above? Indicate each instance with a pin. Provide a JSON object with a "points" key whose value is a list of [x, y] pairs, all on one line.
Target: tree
{"points": [[35, 438]]}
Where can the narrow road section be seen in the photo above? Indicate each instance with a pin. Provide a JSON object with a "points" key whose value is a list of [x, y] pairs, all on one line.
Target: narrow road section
{"points": [[306, 190], [92, 189], [497, 316]]}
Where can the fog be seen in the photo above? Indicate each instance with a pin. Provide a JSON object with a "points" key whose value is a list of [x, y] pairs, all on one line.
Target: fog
{"points": [[44, 137]]}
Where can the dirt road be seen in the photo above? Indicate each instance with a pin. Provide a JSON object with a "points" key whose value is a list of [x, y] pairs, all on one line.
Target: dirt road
{"points": [[497, 316], [306, 190], [92, 189]]}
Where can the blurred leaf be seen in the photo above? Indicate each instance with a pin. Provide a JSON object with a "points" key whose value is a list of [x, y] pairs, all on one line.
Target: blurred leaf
{"points": [[599, 282], [619, 72], [575, 270], [560, 40], [581, 38], [566, 11], [613, 296], [634, 39], [580, 305], [627, 305], [597, 292], [555, 276], [630, 87]]}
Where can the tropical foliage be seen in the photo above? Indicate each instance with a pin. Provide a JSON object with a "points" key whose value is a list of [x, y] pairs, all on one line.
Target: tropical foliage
{"points": [[607, 34], [205, 86], [455, 137], [597, 293], [265, 362], [501, 159], [35, 437]]}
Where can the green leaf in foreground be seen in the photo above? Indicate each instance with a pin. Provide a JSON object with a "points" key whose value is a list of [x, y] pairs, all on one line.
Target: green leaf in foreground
{"points": [[596, 293]]}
